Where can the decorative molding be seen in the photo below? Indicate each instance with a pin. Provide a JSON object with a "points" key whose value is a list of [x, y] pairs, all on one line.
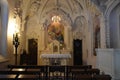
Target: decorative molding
{"points": [[32, 34], [112, 4]]}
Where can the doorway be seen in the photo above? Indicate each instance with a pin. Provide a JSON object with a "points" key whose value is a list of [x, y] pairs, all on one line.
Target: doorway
{"points": [[77, 52], [32, 50]]}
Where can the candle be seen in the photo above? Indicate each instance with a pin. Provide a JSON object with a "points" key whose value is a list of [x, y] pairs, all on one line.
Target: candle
{"points": [[16, 37]]}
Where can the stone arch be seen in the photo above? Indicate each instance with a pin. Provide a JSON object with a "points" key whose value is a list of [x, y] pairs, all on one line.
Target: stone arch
{"points": [[107, 15], [3, 25], [96, 25], [65, 18], [114, 27], [79, 24]]}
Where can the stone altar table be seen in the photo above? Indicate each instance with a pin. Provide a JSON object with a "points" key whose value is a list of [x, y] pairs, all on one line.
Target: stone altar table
{"points": [[56, 59]]}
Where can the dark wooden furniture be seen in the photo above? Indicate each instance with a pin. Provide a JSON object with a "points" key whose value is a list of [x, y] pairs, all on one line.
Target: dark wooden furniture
{"points": [[32, 72], [93, 77], [15, 75], [72, 70], [57, 72], [84, 77], [102, 77], [42, 69]]}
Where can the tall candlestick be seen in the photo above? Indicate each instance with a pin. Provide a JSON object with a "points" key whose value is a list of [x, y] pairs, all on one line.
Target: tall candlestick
{"points": [[16, 44]]}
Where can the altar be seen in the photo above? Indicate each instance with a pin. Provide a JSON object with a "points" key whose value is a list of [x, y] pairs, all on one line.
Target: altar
{"points": [[56, 59], [56, 45]]}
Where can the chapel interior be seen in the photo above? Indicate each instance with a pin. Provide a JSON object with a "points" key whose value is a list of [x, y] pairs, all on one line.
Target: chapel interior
{"points": [[61, 33]]}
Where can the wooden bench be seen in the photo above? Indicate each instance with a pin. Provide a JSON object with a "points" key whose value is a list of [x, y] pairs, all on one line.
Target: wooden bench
{"points": [[42, 69], [77, 72], [85, 67], [17, 75], [88, 71], [78, 67], [92, 77], [84, 77], [69, 69], [57, 72], [102, 77]]}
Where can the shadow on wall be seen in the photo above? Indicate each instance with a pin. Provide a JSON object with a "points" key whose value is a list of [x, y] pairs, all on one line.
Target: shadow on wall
{"points": [[3, 62]]}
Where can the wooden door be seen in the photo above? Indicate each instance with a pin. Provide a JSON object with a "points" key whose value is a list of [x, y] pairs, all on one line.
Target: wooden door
{"points": [[32, 50], [77, 52]]}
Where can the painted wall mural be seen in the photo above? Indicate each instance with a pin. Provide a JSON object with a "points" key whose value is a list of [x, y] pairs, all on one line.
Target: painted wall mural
{"points": [[56, 30]]}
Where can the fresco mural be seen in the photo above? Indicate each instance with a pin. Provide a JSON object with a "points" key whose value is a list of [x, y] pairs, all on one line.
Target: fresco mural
{"points": [[56, 32]]}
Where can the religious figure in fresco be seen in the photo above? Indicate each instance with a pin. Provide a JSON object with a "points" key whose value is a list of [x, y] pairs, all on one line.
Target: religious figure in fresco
{"points": [[56, 32]]}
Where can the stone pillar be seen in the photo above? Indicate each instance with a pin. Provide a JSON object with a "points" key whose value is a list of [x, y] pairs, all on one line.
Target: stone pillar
{"points": [[107, 33], [42, 38], [67, 37], [41, 44], [4, 23], [102, 33]]}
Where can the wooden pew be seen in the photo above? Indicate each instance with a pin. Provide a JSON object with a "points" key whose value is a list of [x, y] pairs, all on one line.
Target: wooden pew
{"points": [[93, 77], [89, 71], [46, 70], [84, 77], [42, 69], [102, 77], [93, 71], [85, 67], [57, 72], [18, 75], [77, 72], [78, 67], [70, 68]]}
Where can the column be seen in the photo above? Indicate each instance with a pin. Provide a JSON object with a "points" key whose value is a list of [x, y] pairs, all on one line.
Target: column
{"points": [[107, 33], [4, 23], [67, 37], [102, 32]]}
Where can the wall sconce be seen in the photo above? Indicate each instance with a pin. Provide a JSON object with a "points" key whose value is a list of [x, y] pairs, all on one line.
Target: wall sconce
{"points": [[16, 44]]}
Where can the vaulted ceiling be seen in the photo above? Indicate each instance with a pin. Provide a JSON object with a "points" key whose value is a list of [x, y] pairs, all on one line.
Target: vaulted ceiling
{"points": [[67, 9]]}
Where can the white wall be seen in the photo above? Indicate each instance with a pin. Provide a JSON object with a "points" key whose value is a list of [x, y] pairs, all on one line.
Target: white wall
{"points": [[108, 62]]}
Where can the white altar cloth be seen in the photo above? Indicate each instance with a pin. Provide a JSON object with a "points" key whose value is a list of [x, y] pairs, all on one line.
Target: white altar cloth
{"points": [[61, 56]]}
